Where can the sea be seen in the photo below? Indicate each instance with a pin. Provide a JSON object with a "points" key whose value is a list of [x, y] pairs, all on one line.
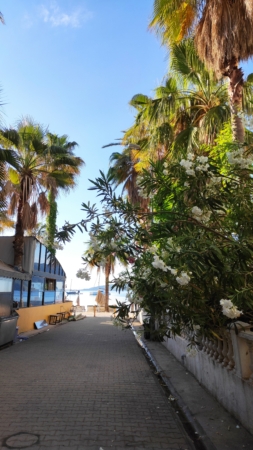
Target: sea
{"points": [[87, 296]]}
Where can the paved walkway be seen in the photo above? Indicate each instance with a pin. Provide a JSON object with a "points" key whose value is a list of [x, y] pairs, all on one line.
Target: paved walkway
{"points": [[84, 385]]}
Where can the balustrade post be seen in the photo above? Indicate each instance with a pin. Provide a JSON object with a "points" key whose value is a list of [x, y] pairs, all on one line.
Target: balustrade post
{"points": [[242, 353], [225, 349], [250, 344]]}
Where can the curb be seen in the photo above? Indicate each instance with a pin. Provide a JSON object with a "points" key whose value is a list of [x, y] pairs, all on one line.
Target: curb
{"points": [[206, 442]]}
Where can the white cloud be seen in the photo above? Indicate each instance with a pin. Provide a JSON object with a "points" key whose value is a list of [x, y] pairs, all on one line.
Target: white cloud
{"points": [[55, 17]]}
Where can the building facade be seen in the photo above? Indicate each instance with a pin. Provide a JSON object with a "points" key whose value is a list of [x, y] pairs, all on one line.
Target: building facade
{"points": [[38, 291]]}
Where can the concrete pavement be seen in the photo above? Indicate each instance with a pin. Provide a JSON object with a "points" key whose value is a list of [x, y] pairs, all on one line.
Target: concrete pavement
{"points": [[84, 385], [214, 426]]}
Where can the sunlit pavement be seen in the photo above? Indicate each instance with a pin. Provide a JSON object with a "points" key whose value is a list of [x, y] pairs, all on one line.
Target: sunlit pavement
{"points": [[84, 385]]}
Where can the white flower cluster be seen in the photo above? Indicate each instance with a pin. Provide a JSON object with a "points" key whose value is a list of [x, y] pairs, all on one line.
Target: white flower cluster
{"points": [[239, 158], [183, 279], [200, 215], [159, 264], [172, 271], [200, 164], [187, 164], [203, 164], [229, 309]]}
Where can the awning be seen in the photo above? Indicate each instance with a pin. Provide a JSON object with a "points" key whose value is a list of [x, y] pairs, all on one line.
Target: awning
{"points": [[9, 272]]}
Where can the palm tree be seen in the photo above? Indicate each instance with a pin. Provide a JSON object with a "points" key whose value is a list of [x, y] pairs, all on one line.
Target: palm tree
{"points": [[123, 171], [189, 109], [202, 106], [44, 163], [6, 157], [64, 167], [27, 182], [103, 260], [223, 33]]}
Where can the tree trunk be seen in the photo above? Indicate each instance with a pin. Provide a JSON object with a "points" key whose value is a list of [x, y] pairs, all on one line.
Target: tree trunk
{"points": [[235, 92], [107, 274], [18, 243], [51, 223]]}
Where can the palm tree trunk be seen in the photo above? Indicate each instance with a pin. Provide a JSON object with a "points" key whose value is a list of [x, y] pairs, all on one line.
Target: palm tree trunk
{"points": [[51, 223], [107, 293], [18, 243], [235, 92], [107, 275]]}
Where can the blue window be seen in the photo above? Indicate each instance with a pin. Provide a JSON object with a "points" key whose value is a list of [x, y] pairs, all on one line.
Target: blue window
{"points": [[42, 258], [37, 256], [37, 288]]}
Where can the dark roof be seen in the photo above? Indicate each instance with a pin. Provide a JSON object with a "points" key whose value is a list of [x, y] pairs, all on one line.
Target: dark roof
{"points": [[8, 271]]}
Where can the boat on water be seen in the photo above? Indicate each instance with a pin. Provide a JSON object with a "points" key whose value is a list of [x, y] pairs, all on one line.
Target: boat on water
{"points": [[73, 292]]}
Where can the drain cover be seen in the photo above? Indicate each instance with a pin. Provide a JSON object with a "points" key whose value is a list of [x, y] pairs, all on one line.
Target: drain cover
{"points": [[21, 440]]}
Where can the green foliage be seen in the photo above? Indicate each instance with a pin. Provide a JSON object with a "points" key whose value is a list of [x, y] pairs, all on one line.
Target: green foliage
{"points": [[51, 223], [194, 248], [83, 274]]}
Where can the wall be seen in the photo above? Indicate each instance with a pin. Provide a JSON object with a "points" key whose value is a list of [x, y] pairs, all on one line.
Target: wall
{"points": [[7, 251], [27, 316], [5, 303], [220, 372]]}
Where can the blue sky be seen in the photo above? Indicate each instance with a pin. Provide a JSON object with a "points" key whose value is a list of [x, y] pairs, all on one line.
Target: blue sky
{"points": [[73, 65]]}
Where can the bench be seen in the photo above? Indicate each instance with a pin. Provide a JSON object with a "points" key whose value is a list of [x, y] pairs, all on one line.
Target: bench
{"points": [[54, 319]]}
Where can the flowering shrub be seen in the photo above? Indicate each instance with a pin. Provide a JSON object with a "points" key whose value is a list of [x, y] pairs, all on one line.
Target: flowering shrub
{"points": [[194, 248]]}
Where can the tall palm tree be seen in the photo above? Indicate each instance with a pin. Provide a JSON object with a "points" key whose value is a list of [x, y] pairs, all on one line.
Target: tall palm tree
{"points": [[64, 167], [189, 109], [202, 107], [123, 171], [27, 182], [94, 256], [223, 32]]}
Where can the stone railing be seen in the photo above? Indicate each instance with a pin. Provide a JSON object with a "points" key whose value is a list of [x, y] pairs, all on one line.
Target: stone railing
{"points": [[224, 366], [234, 351]]}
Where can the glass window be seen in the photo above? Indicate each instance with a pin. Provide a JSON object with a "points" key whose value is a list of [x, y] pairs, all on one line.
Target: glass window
{"points": [[24, 294], [37, 288], [48, 262], [49, 294], [17, 291], [59, 285], [49, 297], [42, 258], [59, 297], [50, 284], [56, 267], [37, 256], [53, 264], [6, 284], [59, 291]]}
